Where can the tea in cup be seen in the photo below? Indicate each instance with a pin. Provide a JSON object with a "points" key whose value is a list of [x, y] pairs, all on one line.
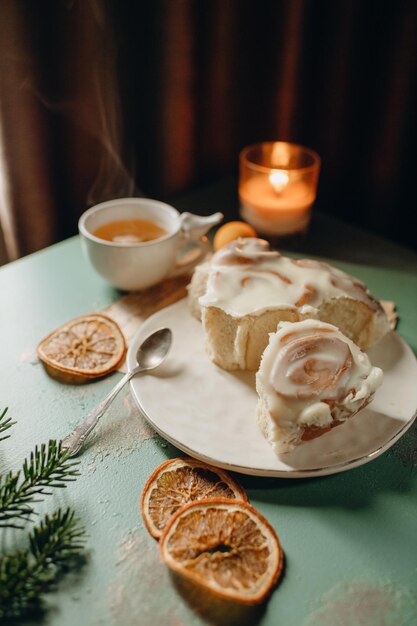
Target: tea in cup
{"points": [[135, 243]]}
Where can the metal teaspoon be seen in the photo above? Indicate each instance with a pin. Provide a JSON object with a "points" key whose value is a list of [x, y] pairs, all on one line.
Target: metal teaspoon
{"points": [[150, 354]]}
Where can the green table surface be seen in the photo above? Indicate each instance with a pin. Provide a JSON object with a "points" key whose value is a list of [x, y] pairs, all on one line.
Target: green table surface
{"points": [[350, 539]]}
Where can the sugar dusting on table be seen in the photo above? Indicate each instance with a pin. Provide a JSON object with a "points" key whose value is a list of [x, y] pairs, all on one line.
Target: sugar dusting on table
{"points": [[364, 603], [120, 434], [141, 592]]}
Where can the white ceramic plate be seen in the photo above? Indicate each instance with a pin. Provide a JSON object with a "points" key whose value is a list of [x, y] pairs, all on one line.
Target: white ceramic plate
{"points": [[210, 413]]}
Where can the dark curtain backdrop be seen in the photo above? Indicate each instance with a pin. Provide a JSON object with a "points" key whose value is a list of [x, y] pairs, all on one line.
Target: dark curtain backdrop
{"points": [[105, 98]]}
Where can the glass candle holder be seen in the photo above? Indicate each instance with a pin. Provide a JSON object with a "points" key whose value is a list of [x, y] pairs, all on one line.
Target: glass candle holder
{"points": [[277, 187]]}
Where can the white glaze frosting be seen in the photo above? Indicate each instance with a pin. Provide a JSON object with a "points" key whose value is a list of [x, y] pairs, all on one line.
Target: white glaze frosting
{"points": [[248, 277], [312, 375]]}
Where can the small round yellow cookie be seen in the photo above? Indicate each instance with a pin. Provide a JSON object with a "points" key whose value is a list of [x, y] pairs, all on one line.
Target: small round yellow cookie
{"points": [[230, 231]]}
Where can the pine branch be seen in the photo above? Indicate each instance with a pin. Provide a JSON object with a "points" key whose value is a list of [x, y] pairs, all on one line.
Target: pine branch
{"points": [[57, 539], [5, 424], [47, 467], [55, 543]]}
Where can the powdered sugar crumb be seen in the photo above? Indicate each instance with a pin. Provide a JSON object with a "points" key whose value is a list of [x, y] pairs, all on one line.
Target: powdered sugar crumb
{"points": [[122, 431], [29, 356], [362, 603], [139, 573]]}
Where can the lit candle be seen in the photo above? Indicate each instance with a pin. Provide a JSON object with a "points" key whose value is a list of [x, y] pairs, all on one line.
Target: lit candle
{"points": [[277, 189]]}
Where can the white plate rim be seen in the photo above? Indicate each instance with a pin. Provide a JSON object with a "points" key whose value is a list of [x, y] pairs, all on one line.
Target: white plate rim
{"points": [[251, 471]]}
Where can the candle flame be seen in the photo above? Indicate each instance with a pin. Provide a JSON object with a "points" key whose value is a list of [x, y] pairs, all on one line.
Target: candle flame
{"points": [[278, 179]]}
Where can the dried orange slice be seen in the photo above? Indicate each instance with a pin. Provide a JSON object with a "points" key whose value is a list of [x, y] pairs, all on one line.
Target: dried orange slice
{"points": [[85, 348], [225, 546], [179, 481]]}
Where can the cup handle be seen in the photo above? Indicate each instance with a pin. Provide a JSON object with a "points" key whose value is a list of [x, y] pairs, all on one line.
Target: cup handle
{"points": [[195, 245]]}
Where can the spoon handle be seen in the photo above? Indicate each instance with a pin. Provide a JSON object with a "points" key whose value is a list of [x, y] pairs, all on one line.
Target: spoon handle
{"points": [[76, 440]]}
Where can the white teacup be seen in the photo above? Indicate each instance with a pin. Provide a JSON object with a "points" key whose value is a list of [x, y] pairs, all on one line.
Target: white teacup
{"points": [[133, 266]]}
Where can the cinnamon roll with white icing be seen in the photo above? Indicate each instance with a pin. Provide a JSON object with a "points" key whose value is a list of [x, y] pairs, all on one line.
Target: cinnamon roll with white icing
{"points": [[311, 378], [248, 288]]}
